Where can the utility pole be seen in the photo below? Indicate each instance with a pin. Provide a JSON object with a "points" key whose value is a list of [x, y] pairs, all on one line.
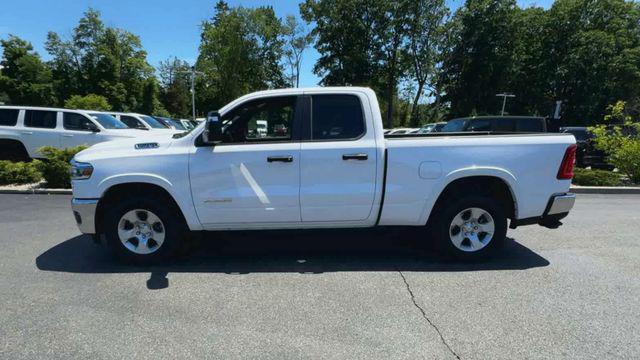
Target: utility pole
{"points": [[192, 75], [504, 100]]}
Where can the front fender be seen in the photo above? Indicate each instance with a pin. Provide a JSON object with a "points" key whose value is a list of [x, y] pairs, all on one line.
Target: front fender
{"points": [[154, 179], [181, 194]]}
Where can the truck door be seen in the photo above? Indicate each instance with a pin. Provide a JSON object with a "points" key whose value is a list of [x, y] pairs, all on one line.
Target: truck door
{"points": [[252, 177], [77, 131], [338, 166], [40, 129]]}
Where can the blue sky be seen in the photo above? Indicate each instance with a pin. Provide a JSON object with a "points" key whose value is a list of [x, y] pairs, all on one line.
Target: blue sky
{"points": [[166, 27]]}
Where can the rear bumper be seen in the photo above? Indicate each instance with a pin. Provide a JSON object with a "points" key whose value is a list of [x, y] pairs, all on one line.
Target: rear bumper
{"points": [[84, 211], [557, 209]]}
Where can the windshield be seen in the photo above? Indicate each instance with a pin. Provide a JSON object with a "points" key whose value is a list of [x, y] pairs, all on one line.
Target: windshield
{"points": [[455, 125], [184, 133], [108, 121], [153, 122]]}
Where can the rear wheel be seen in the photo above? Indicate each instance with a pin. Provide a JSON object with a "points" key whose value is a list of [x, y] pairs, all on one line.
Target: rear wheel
{"points": [[143, 231], [470, 228]]}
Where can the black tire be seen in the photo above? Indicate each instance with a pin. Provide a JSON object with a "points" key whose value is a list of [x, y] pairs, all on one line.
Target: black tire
{"points": [[441, 226], [173, 227], [13, 150]]}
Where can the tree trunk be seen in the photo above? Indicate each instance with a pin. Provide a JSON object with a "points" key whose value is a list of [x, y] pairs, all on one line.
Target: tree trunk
{"points": [[414, 107], [391, 89]]}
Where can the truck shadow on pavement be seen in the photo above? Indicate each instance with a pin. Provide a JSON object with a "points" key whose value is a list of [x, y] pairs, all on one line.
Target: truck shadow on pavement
{"points": [[299, 251]]}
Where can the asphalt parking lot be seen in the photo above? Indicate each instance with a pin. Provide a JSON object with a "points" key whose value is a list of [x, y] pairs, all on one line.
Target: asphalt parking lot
{"points": [[567, 293]]}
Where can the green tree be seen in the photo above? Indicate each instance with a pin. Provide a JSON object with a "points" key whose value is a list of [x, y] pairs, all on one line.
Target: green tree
{"points": [[345, 39], [425, 40], [240, 52], [24, 78], [175, 85], [150, 102], [87, 102], [100, 60], [361, 42], [478, 56], [592, 55], [297, 40], [621, 141]]}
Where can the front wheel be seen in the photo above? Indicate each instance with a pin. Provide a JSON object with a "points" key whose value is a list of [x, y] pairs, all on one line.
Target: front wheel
{"points": [[143, 231], [470, 228]]}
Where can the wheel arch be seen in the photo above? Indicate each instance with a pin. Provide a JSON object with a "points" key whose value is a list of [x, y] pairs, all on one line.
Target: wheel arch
{"points": [[9, 145], [117, 191], [491, 181]]}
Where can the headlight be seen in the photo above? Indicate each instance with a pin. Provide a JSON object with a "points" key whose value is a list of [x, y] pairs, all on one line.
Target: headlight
{"points": [[80, 171]]}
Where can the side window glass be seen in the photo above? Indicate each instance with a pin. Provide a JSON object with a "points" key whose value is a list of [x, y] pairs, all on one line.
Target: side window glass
{"points": [[260, 120], [480, 125], [40, 119], [335, 117], [73, 121], [9, 117], [530, 125], [503, 124], [132, 122]]}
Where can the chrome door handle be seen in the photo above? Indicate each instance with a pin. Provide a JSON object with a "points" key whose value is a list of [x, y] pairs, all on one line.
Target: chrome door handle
{"points": [[27, 132], [286, 158], [360, 156], [67, 135]]}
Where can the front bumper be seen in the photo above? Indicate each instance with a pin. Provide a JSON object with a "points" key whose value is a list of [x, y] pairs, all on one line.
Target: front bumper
{"points": [[84, 210], [557, 209]]}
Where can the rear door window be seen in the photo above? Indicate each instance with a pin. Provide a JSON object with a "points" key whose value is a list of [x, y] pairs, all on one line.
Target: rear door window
{"points": [[132, 122], [73, 121], [336, 117], [9, 117], [40, 119]]}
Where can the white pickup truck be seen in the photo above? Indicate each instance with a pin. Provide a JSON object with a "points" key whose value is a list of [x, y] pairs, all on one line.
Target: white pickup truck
{"points": [[322, 163]]}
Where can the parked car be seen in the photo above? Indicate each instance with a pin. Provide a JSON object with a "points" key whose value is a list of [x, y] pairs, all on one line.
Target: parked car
{"points": [[140, 121], [25, 129], [400, 131], [170, 123], [497, 124], [188, 124], [587, 154], [334, 169], [433, 127]]}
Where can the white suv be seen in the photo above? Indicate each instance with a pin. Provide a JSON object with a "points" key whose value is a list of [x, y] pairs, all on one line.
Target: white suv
{"points": [[141, 122], [25, 129]]}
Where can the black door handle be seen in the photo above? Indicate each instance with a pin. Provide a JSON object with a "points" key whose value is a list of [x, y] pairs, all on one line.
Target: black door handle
{"points": [[355, 157], [287, 158]]}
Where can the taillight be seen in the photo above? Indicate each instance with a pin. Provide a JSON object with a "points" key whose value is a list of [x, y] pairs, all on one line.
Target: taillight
{"points": [[566, 168]]}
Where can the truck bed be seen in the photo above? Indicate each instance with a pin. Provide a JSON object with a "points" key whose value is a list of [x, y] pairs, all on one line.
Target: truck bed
{"points": [[419, 166]]}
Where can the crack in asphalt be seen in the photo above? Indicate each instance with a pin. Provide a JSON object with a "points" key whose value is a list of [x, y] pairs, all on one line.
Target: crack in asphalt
{"points": [[424, 315]]}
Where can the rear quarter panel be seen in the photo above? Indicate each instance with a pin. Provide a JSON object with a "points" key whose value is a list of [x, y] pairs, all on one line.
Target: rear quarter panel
{"points": [[419, 169]]}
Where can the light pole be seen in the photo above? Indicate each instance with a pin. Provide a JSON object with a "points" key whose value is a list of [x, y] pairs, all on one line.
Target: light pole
{"points": [[504, 100], [192, 75]]}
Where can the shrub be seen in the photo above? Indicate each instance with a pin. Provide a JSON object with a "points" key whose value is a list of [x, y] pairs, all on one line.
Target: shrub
{"points": [[19, 172], [55, 169], [88, 102], [595, 178], [621, 143]]}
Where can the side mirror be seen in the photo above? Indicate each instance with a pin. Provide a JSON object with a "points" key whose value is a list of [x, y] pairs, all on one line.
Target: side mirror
{"points": [[212, 129], [92, 127]]}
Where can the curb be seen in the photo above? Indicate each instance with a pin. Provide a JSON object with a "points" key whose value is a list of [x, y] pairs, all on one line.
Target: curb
{"points": [[37, 191], [605, 190]]}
